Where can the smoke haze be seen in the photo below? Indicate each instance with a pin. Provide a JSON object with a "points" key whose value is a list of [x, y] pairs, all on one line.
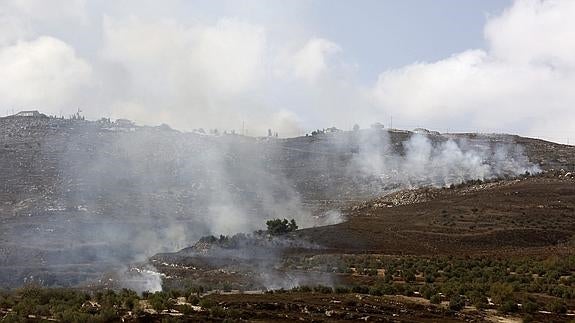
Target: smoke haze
{"points": [[110, 195], [85, 198]]}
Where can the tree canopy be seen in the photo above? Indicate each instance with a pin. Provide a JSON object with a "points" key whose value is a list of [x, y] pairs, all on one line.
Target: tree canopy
{"points": [[278, 226]]}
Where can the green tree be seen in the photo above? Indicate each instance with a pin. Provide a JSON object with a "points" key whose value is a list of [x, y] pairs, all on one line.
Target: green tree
{"points": [[456, 303], [278, 227]]}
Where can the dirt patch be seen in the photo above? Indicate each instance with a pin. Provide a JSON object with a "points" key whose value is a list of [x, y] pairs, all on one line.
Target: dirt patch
{"points": [[532, 215]]}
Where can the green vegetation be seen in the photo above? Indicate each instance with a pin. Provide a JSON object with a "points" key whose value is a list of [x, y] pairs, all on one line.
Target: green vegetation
{"points": [[74, 305], [537, 284], [512, 285], [278, 227]]}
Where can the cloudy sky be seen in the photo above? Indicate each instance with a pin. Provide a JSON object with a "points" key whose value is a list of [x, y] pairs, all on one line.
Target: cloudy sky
{"points": [[297, 65]]}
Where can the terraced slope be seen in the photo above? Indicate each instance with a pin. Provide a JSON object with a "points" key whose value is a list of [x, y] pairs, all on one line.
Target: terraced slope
{"points": [[533, 215]]}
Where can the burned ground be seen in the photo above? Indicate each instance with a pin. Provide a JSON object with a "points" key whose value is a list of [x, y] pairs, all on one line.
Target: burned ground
{"points": [[526, 215], [82, 199], [78, 196]]}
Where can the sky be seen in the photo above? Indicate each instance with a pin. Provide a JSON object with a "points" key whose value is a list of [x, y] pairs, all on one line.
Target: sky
{"points": [[294, 66]]}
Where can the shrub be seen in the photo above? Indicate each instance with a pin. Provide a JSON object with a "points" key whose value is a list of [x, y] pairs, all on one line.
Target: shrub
{"points": [[530, 307], [478, 299], [13, 318], [360, 289], [375, 291], [278, 227], [217, 311], [303, 289], [501, 292], [106, 315], [409, 276], [193, 299], [558, 306], [508, 306], [207, 303], [160, 301], [456, 303], [323, 289], [435, 299]]}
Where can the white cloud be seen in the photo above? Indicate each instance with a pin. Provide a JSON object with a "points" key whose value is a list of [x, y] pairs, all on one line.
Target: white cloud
{"points": [[43, 73], [521, 83], [12, 29], [42, 10], [190, 70], [198, 73], [230, 54], [534, 31], [227, 56], [311, 61]]}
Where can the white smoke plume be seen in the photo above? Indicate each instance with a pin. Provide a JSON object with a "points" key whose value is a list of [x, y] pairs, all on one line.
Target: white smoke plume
{"points": [[419, 161]]}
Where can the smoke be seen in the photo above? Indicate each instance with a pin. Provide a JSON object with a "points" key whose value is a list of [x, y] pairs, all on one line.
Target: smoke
{"points": [[145, 279], [125, 194], [103, 195], [258, 257], [421, 161]]}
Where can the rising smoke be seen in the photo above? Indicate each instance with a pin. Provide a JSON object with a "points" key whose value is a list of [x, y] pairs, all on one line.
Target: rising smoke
{"points": [[121, 195], [434, 160]]}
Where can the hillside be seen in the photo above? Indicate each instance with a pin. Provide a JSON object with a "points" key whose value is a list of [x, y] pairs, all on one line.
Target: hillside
{"points": [[80, 198], [531, 215]]}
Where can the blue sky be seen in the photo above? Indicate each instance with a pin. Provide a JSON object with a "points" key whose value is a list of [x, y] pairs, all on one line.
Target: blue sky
{"points": [[294, 66], [389, 34]]}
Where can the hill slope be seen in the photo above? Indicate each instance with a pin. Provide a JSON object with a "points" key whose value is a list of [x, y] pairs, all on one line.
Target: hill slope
{"points": [[527, 215], [79, 198]]}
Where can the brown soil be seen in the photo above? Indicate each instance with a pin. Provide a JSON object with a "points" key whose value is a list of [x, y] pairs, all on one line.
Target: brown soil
{"points": [[533, 215]]}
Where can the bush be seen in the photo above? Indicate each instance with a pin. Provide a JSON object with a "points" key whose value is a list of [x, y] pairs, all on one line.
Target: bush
{"points": [[456, 303], [13, 318], [435, 299], [388, 289], [375, 291], [160, 301], [409, 276], [501, 292], [217, 311], [530, 307], [508, 306], [106, 315], [360, 289], [207, 303], [323, 289], [478, 299], [185, 309], [193, 299], [278, 227], [558, 306], [303, 289]]}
